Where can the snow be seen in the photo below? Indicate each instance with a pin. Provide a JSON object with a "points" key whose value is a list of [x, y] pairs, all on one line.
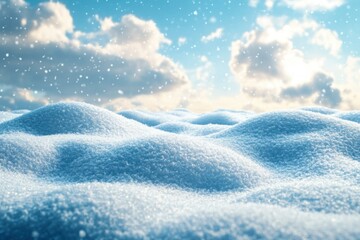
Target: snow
{"points": [[72, 118], [72, 170]]}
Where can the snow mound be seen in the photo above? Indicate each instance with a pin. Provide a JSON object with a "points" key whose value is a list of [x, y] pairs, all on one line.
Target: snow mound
{"points": [[160, 159], [298, 143], [146, 118], [281, 123], [72, 171], [5, 116], [322, 110], [71, 118], [181, 161], [221, 118], [190, 129], [353, 116]]}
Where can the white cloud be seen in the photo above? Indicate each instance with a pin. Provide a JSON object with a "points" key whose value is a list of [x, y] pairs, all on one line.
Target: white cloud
{"points": [[51, 23], [17, 98], [203, 72], [268, 66], [134, 38], [20, 3], [303, 5], [269, 3], [328, 39], [352, 70], [106, 23], [312, 5], [62, 64], [269, 52], [350, 86], [212, 36], [321, 86]]}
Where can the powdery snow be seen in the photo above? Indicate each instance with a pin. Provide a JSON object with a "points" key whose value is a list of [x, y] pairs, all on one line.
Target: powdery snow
{"points": [[72, 170]]}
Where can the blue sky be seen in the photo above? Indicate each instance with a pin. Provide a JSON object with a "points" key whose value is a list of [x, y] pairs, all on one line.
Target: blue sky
{"points": [[201, 55]]}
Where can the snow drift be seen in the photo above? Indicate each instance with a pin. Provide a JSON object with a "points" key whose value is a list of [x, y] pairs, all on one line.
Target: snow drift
{"points": [[72, 170]]}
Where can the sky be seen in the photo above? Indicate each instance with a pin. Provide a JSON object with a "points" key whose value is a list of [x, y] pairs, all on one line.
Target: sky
{"points": [[256, 55]]}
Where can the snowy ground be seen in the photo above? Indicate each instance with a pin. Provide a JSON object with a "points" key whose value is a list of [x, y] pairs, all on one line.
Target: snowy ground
{"points": [[72, 170]]}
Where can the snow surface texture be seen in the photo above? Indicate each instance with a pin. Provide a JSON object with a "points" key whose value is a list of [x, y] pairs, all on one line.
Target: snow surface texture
{"points": [[72, 171]]}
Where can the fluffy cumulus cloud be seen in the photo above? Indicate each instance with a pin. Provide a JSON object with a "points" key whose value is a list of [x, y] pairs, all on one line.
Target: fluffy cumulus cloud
{"points": [[350, 86], [132, 37], [218, 33], [329, 40], [352, 70], [41, 53], [321, 86], [18, 98], [268, 66], [203, 72], [268, 3], [52, 21], [303, 5], [311, 5]]}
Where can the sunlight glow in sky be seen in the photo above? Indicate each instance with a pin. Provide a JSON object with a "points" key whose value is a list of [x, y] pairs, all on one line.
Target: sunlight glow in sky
{"points": [[159, 55]]}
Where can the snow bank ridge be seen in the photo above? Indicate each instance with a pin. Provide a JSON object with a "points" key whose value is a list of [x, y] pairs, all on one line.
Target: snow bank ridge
{"points": [[72, 170]]}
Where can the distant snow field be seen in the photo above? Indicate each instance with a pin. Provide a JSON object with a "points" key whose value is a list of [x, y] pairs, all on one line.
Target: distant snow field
{"points": [[76, 171]]}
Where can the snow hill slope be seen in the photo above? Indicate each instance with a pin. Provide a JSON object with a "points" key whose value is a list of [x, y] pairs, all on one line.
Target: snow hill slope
{"points": [[75, 171]]}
